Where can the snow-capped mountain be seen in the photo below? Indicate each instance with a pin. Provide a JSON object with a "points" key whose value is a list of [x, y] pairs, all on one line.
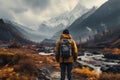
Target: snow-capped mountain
{"points": [[106, 17], [49, 31], [79, 20], [67, 18], [50, 27], [25, 32]]}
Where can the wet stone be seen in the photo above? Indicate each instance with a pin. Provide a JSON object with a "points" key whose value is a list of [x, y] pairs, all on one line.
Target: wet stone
{"points": [[43, 74]]}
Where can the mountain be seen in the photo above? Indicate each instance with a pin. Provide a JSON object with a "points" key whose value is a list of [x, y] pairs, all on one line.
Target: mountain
{"points": [[105, 17], [8, 33], [26, 32], [79, 20], [68, 17], [60, 22], [105, 39], [48, 41], [48, 31]]}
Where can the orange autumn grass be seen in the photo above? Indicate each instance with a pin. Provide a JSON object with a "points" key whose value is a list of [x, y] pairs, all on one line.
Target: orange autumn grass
{"points": [[114, 50], [22, 64], [10, 74], [86, 73]]}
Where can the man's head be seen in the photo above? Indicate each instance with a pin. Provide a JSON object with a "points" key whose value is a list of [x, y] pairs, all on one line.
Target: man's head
{"points": [[66, 31]]}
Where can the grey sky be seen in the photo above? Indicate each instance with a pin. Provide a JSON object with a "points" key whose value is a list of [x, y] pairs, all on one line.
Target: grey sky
{"points": [[32, 12]]}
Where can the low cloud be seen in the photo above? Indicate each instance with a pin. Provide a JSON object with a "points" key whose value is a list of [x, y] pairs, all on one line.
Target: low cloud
{"points": [[92, 3], [31, 12], [37, 5], [19, 10], [6, 15]]}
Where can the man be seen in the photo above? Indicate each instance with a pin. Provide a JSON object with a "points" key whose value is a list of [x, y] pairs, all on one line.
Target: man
{"points": [[66, 64]]}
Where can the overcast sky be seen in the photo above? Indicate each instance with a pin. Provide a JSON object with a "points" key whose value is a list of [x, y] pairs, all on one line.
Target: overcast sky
{"points": [[32, 12]]}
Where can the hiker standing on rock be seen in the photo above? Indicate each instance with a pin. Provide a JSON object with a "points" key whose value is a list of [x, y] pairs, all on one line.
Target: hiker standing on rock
{"points": [[66, 53]]}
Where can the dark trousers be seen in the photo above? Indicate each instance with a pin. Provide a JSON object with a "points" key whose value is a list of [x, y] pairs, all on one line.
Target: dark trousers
{"points": [[68, 67]]}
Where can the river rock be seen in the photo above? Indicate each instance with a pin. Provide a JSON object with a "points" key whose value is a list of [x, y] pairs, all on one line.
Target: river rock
{"points": [[43, 74]]}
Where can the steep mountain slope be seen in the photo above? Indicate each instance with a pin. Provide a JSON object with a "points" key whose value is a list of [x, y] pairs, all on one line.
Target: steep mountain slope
{"points": [[50, 27], [79, 20], [105, 39], [105, 17], [68, 17], [26, 32], [48, 31], [48, 41], [60, 22], [8, 33]]}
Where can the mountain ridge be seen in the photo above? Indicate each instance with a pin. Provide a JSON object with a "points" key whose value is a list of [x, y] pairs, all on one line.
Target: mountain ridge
{"points": [[63, 20], [84, 16], [108, 39], [106, 17], [8, 33]]}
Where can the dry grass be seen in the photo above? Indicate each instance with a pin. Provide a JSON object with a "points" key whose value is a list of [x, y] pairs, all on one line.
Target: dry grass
{"points": [[109, 76], [85, 73], [113, 51], [23, 64]]}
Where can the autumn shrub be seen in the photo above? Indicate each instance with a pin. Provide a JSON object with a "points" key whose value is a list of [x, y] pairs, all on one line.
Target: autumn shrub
{"points": [[8, 74], [14, 44], [23, 64], [5, 59], [112, 50], [86, 73], [112, 53], [109, 76], [16, 58], [27, 66], [9, 58], [30, 47], [116, 51], [106, 50]]}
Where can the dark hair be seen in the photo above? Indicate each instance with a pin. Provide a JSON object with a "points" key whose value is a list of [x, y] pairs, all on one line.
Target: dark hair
{"points": [[66, 31]]}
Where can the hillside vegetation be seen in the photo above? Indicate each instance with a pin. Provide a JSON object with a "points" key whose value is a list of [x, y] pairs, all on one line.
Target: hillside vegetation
{"points": [[23, 64]]}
